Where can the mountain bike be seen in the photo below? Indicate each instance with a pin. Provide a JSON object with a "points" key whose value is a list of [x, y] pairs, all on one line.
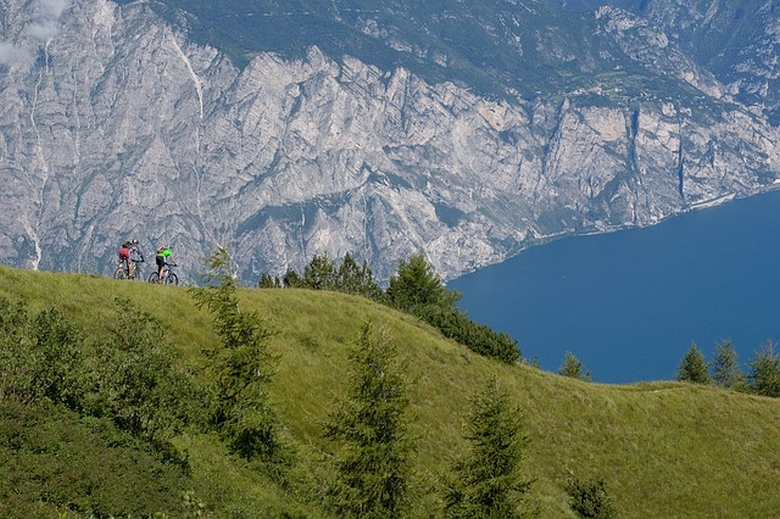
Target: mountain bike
{"points": [[169, 277], [121, 273]]}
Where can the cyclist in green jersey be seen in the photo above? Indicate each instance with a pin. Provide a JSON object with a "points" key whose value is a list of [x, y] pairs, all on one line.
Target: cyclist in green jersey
{"points": [[163, 253]]}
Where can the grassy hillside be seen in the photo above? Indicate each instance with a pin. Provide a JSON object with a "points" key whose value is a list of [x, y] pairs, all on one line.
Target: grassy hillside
{"points": [[664, 449]]}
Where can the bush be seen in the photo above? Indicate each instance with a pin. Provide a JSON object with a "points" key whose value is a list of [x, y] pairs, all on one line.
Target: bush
{"points": [[479, 338], [53, 461], [135, 380], [589, 499], [39, 357]]}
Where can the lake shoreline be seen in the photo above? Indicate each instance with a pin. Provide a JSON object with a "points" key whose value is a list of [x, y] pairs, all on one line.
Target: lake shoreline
{"points": [[701, 276]]}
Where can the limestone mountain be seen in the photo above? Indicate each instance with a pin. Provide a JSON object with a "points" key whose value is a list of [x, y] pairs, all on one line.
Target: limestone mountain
{"points": [[467, 130]]}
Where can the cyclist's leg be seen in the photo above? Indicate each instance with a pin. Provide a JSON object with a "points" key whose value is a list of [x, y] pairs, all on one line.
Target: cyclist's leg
{"points": [[124, 259], [160, 266]]}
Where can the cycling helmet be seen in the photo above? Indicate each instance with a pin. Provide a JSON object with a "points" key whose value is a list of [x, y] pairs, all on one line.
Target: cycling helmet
{"points": [[134, 242]]}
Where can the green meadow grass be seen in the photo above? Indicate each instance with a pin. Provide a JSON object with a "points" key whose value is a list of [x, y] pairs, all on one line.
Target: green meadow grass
{"points": [[664, 449]]}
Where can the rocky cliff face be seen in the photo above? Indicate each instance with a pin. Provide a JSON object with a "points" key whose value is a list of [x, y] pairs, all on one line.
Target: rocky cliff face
{"points": [[115, 125]]}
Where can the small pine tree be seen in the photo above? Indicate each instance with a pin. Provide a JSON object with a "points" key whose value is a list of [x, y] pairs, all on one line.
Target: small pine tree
{"points": [[369, 429], [320, 273], [572, 367], [292, 279], [243, 367], [726, 372], [267, 281], [359, 280], [415, 286], [693, 367], [486, 483], [764, 373]]}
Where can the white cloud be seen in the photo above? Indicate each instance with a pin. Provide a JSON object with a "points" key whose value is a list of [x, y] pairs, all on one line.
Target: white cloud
{"points": [[12, 55], [43, 29], [46, 26], [6, 53], [55, 8]]}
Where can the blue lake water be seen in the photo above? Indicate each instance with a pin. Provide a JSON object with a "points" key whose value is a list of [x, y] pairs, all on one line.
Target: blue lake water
{"points": [[629, 304]]}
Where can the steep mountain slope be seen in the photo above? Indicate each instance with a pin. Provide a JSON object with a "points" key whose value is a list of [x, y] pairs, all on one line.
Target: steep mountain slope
{"points": [[466, 130], [664, 449], [737, 41]]}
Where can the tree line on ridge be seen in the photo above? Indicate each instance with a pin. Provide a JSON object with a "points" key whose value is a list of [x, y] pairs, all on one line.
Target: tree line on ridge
{"points": [[414, 288]]}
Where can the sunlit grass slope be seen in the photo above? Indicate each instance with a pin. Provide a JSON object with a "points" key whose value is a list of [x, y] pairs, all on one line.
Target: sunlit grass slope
{"points": [[664, 449]]}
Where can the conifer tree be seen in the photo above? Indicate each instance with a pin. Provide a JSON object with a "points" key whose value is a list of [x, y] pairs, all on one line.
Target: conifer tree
{"points": [[267, 281], [726, 372], [693, 367], [292, 279], [572, 367], [764, 371], [242, 367], [355, 279], [415, 286], [369, 429], [320, 273], [487, 482]]}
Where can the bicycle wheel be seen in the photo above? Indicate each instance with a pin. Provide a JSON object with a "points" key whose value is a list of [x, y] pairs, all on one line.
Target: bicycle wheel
{"points": [[153, 277], [171, 279], [120, 273]]}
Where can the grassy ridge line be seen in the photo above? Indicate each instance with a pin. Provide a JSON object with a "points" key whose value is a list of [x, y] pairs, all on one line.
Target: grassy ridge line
{"points": [[664, 449]]}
